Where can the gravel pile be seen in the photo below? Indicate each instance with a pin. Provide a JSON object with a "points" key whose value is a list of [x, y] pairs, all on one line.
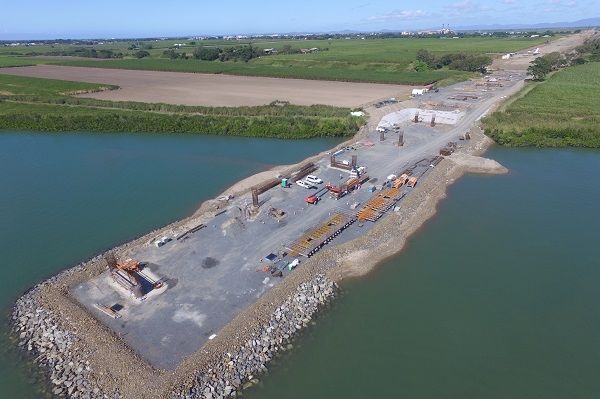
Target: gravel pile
{"points": [[237, 371]]}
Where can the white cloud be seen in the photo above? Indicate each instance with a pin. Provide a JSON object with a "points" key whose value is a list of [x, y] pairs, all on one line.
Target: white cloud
{"points": [[463, 5], [467, 6], [400, 15], [554, 6]]}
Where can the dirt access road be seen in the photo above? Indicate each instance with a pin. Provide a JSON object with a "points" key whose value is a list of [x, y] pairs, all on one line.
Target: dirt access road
{"points": [[214, 90], [522, 59]]}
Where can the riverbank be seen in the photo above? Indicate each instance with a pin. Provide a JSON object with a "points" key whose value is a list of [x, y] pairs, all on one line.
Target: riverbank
{"points": [[37, 104], [110, 360], [389, 236]]}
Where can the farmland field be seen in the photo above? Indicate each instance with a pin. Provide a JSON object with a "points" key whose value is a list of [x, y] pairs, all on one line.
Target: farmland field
{"points": [[19, 85], [322, 71], [214, 90], [34, 104], [6, 61], [562, 111], [370, 60]]}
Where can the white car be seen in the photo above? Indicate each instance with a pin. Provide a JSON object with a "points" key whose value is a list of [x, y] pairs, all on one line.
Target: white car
{"points": [[313, 179], [304, 184], [293, 264]]}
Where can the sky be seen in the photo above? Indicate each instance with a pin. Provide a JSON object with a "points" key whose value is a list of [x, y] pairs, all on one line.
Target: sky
{"points": [[50, 19]]}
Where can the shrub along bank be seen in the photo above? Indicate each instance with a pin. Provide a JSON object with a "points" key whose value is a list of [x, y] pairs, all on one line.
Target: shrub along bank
{"points": [[57, 118]]}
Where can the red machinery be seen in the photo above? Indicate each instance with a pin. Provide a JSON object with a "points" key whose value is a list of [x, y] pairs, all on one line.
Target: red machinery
{"points": [[312, 199]]}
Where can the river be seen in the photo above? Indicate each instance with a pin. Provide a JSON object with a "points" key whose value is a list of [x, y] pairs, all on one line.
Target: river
{"points": [[495, 297], [65, 197]]}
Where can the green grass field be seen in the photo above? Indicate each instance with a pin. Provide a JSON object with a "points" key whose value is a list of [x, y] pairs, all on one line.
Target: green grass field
{"points": [[370, 60], [321, 72], [11, 61], [396, 51], [23, 86], [562, 111], [35, 104]]}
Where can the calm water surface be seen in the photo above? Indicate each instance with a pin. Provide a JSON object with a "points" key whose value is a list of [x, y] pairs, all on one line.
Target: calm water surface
{"points": [[65, 197], [497, 297]]}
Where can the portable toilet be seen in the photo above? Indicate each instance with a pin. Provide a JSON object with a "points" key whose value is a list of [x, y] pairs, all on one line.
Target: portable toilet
{"points": [[284, 183]]}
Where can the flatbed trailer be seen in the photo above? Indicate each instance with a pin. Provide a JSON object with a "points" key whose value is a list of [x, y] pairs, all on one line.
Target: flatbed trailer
{"points": [[315, 239]]}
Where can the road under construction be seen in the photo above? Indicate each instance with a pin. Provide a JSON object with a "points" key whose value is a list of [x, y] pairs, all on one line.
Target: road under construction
{"points": [[171, 295]]}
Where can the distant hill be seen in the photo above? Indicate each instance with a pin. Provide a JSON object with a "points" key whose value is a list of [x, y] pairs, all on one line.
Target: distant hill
{"points": [[582, 23]]}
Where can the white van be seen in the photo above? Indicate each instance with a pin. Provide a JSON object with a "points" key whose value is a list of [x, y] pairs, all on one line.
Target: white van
{"points": [[313, 179]]}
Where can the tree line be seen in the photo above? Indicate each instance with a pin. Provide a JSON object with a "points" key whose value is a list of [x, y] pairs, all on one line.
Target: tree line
{"points": [[426, 60], [233, 53], [81, 52], [547, 63]]}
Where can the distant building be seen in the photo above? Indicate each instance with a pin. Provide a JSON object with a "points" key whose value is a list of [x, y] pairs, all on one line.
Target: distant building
{"points": [[446, 30], [309, 50]]}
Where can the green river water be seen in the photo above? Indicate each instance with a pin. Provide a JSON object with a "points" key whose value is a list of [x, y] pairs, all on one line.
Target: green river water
{"points": [[65, 197], [496, 297]]}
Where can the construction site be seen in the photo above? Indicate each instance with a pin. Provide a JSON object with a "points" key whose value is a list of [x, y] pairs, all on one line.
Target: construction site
{"points": [[169, 296]]}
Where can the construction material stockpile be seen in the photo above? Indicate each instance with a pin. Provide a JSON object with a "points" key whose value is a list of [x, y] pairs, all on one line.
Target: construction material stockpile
{"points": [[379, 204], [311, 242]]}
